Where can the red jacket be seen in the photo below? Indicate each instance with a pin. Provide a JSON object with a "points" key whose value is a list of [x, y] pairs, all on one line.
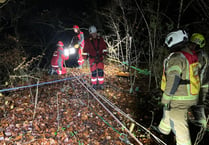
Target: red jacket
{"points": [[58, 58], [93, 49]]}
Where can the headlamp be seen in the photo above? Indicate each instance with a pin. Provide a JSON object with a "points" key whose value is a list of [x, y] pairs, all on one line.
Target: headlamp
{"points": [[68, 51]]}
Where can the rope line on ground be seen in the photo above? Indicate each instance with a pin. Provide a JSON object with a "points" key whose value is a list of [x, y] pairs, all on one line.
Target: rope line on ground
{"points": [[124, 114], [82, 83], [40, 84], [123, 137]]}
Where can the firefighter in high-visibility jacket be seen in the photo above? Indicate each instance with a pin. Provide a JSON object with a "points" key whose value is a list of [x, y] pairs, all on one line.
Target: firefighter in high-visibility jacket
{"points": [[95, 48], [58, 59], [197, 43], [79, 40], [180, 85]]}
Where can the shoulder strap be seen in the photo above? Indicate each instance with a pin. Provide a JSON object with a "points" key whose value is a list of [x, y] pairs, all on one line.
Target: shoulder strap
{"points": [[192, 58]]}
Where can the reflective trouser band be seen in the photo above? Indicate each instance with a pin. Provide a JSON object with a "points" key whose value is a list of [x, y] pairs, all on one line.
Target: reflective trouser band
{"points": [[166, 97], [94, 80], [205, 86], [183, 142], [164, 128], [101, 80], [55, 66], [80, 60]]}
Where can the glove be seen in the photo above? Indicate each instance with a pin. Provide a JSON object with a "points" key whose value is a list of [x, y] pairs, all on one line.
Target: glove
{"points": [[59, 71], [76, 45]]}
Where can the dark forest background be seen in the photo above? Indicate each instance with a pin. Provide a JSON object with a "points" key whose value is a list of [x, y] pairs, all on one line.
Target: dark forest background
{"points": [[134, 30]]}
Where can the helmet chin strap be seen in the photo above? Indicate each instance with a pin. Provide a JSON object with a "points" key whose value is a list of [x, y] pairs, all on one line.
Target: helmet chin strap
{"points": [[177, 47]]}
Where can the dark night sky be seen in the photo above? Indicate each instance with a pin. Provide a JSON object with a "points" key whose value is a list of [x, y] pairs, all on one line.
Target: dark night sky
{"points": [[69, 11], [79, 7]]}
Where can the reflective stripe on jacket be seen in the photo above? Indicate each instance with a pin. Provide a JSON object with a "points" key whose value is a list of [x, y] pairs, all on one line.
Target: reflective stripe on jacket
{"points": [[185, 65]]}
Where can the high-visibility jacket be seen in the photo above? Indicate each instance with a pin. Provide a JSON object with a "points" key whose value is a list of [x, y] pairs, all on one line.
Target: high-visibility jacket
{"points": [[58, 60], [185, 65]]}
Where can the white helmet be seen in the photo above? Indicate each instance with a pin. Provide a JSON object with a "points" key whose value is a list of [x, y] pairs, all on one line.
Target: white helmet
{"points": [[92, 29], [176, 37]]}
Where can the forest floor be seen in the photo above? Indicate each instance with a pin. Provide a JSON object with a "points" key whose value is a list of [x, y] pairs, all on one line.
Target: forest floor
{"points": [[65, 113]]}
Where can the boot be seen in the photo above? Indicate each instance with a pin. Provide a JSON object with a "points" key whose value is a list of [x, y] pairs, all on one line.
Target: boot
{"points": [[95, 86], [101, 86], [156, 129]]}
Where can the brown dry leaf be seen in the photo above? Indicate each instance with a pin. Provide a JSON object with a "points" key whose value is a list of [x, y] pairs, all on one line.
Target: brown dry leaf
{"points": [[96, 143], [53, 142], [85, 134], [1, 136], [123, 74], [84, 117], [52, 131], [19, 143], [36, 127], [19, 137], [19, 109]]}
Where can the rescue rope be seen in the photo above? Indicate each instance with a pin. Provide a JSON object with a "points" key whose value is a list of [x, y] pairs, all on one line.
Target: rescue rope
{"points": [[123, 137], [124, 114], [87, 88], [40, 84]]}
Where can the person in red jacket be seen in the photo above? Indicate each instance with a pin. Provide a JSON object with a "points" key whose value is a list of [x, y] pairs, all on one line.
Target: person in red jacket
{"points": [[79, 38], [96, 49], [58, 60]]}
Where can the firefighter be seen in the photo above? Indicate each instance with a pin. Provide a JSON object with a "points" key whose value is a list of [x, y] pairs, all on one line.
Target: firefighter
{"points": [[197, 43], [79, 43], [96, 49], [180, 85], [58, 59]]}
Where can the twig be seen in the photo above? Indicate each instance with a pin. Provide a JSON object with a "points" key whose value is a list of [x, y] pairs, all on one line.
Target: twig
{"points": [[36, 100], [180, 11], [22, 76], [5, 3], [58, 111], [25, 65]]}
